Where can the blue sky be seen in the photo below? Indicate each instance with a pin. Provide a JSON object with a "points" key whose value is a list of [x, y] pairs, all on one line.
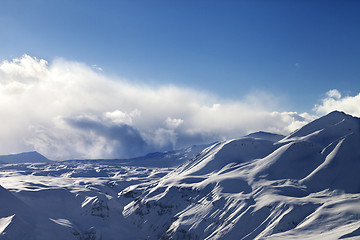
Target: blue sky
{"points": [[97, 79], [294, 49]]}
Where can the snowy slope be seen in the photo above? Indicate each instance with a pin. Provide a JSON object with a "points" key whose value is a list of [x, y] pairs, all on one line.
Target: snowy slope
{"points": [[46, 202], [304, 186]]}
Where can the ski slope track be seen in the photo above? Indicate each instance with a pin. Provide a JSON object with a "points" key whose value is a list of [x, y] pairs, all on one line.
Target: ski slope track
{"points": [[262, 186]]}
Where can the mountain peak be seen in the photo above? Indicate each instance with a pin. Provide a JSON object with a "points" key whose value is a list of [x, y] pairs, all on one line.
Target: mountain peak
{"points": [[337, 115], [326, 129]]}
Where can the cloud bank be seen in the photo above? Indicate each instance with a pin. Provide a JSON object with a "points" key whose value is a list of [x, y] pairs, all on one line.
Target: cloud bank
{"points": [[67, 109], [335, 101]]}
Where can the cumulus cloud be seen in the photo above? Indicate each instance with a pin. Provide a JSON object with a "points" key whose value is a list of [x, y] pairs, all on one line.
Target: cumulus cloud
{"points": [[23, 69], [67, 109], [335, 101]]}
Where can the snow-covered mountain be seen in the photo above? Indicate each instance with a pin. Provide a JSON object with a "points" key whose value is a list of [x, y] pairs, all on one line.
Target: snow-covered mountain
{"points": [[262, 186], [304, 187], [26, 157]]}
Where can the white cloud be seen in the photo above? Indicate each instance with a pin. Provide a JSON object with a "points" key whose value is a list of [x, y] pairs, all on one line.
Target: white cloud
{"points": [[23, 69], [335, 101], [334, 93], [173, 123], [119, 117], [67, 109]]}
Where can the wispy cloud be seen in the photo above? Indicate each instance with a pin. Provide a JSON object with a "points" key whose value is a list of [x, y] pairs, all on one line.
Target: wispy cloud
{"points": [[67, 109], [96, 67]]}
